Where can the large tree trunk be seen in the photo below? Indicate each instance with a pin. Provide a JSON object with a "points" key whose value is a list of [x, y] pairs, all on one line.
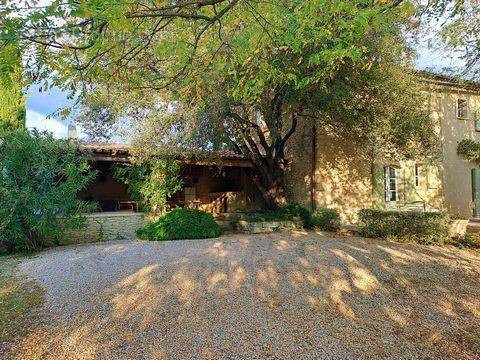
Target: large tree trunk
{"points": [[270, 181], [262, 139]]}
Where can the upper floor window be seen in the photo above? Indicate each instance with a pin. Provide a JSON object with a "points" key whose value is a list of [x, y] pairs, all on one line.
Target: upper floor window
{"points": [[462, 108], [391, 183]]}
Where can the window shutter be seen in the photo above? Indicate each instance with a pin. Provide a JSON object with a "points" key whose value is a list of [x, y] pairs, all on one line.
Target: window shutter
{"points": [[476, 190], [477, 120], [378, 186]]}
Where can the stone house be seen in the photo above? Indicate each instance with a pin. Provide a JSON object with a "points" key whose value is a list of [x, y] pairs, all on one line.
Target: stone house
{"points": [[326, 170], [332, 173]]}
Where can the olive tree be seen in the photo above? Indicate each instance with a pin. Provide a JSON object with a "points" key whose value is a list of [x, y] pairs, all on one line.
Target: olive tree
{"points": [[242, 74]]}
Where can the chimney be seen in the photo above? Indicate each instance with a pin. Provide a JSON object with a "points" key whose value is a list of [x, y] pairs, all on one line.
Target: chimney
{"points": [[72, 132]]}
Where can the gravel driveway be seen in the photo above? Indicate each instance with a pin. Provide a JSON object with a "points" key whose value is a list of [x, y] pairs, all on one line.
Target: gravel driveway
{"points": [[287, 295]]}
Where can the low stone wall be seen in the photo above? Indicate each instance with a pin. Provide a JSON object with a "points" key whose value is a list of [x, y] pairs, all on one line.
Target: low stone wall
{"points": [[109, 226], [265, 226]]}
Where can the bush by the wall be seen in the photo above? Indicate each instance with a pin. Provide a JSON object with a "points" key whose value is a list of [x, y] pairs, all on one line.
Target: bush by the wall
{"points": [[293, 210], [182, 223], [466, 241], [326, 219], [40, 178], [289, 212], [424, 227]]}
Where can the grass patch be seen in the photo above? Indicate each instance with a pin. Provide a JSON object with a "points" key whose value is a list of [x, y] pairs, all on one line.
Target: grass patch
{"points": [[18, 300]]}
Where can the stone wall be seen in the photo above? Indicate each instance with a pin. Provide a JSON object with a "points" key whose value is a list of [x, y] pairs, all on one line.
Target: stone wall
{"points": [[342, 174], [265, 226], [109, 226]]}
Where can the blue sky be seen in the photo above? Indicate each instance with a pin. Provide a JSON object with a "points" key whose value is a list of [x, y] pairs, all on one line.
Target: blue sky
{"points": [[42, 104]]}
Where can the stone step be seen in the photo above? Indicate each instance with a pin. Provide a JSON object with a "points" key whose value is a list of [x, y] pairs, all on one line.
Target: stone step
{"points": [[473, 225], [225, 224], [226, 216]]}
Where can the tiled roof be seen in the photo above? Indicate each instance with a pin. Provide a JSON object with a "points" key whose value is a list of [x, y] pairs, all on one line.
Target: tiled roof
{"points": [[442, 79], [124, 149]]}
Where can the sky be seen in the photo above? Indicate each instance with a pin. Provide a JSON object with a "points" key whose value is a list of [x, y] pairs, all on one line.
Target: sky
{"points": [[40, 105]]}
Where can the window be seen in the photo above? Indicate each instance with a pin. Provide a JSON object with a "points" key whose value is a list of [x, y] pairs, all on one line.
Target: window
{"points": [[462, 109], [417, 175], [391, 183]]}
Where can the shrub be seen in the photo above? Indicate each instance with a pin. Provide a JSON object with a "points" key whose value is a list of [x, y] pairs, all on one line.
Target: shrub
{"points": [[326, 219], [39, 180], [468, 149], [290, 211], [182, 223], [424, 227], [467, 241], [293, 210]]}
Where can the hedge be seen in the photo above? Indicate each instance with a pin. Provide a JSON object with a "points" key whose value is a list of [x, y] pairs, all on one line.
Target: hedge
{"points": [[289, 212], [182, 223], [424, 227], [326, 219]]}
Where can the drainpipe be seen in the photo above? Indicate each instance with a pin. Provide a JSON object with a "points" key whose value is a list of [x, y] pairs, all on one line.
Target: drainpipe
{"points": [[313, 190]]}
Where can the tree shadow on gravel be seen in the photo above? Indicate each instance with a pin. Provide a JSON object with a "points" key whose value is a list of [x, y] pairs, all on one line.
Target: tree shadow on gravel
{"points": [[284, 295]]}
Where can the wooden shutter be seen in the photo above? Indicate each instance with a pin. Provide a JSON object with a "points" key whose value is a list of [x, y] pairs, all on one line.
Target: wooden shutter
{"points": [[378, 187]]}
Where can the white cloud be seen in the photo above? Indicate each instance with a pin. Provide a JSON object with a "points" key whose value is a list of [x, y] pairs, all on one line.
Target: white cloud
{"points": [[39, 121]]}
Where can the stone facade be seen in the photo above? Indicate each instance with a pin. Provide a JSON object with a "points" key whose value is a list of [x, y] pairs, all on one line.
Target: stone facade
{"points": [[109, 226], [327, 170], [329, 174]]}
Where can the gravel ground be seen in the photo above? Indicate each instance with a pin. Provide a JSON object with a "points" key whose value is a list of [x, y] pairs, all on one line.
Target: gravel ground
{"points": [[285, 295]]}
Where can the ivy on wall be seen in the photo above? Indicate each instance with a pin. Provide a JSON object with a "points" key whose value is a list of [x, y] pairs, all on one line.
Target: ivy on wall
{"points": [[469, 149]]}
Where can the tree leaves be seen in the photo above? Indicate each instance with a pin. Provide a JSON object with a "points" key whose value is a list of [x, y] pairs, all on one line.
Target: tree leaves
{"points": [[40, 178]]}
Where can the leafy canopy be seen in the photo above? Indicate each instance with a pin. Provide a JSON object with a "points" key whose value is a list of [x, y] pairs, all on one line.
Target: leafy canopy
{"points": [[221, 62], [460, 21], [236, 73], [12, 99], [250, 43]]}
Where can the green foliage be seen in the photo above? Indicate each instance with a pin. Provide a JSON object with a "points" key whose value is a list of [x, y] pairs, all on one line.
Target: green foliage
{"points": [[424, 227], [469, 150], [39, 180], [152, 182], [238, 74], [294, 210], [182, 223], [460, 21], [12, 99], [326, 219], [295, 43], [289, 212], [467, 241]]}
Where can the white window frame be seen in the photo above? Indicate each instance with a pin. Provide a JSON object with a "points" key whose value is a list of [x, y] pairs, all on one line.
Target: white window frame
{"points": [[462, 116], [391, 195]]}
